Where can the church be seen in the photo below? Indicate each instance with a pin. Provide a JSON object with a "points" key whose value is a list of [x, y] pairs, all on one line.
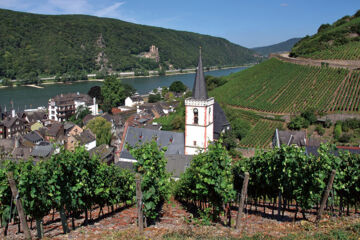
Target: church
{"points": [[204, 123]]}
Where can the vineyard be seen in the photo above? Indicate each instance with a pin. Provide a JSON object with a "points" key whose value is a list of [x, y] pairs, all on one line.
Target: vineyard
{"points": [[71, 183], [347, 96], [285, 179], [279, 87], [261, 134], [261, 128], [349, 51]]}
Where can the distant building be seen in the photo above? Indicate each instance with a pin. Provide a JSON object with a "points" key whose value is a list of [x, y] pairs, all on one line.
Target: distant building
{"points": [[12, 125], [289, 138], [153, 53], [133, 101], [63, 106]]}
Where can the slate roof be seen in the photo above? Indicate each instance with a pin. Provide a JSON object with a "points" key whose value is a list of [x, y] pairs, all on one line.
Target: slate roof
{"points": [[220, 121], [85, 137], [36, 116], [54, 129], [68, 99], [87, 118], [33, 137], [174, 141], [199, 89], [68, 126], [177, 164], [9, 122], [136, 98], [125, 165], [42, 151], [292, 137], [103, 151]]}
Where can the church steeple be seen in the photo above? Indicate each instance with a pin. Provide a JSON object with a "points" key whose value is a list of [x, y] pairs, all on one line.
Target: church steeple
{"points": [[199, 89]]}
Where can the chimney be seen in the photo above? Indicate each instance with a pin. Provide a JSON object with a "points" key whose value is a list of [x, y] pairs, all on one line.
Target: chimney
{"points": [[94, 100], [13, 114]]}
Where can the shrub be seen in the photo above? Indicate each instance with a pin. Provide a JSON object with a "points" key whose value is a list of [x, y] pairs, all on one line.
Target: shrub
{"points": [[320, 130], [345, 138], [309, 115], [154, 98], [327, 123], [297, 123], [338, 130], [240, 128]]}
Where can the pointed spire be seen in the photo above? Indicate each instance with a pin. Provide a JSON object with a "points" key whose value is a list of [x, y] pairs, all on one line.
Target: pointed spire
{"points": [[199, 89]]}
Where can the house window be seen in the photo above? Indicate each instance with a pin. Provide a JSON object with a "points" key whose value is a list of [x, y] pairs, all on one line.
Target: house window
{"points": [[194, 143], [196, 116]]}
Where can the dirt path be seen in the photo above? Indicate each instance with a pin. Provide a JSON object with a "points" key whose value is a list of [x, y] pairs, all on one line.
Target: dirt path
{"points": [[348, 64]]}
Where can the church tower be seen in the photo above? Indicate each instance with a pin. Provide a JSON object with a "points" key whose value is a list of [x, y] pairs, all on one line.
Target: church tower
{"points": [[199, 115]]}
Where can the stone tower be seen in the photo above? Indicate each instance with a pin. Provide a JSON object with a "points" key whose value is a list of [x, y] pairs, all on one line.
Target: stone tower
{"points": [[199, 115]]}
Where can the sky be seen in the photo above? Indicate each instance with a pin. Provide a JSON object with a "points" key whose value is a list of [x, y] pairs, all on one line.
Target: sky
{"points": [[250, 23]]}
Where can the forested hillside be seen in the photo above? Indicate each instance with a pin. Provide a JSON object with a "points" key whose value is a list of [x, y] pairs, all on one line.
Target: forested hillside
{"points": [[284, 46], [32, 44], [339, 40]]}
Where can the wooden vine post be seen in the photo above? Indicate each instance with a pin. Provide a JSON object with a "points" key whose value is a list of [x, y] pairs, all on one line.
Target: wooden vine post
{"points": [[139, 203], [326, 195], [242, 200], [19, 206]]}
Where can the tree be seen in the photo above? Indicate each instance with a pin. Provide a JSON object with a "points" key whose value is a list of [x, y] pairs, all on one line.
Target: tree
{"points": [[95, 92], [114, 93], [154, 98], [309, 115], [102, 129], [240, 128], [178, 87], [81, 112], [297, 123]]}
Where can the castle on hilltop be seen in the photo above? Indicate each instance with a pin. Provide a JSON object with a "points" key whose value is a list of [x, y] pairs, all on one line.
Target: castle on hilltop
{"points": [[153, 53]]}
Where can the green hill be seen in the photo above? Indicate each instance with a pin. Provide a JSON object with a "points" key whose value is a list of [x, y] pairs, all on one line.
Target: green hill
{"points": [[33, 44], [280, 87], [340, 40], [284, 46]]}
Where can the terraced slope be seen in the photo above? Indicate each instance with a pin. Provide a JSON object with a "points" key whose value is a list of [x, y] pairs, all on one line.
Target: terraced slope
{"points": [[261, 134], [349, 51], [339, 40], [281, 87]]}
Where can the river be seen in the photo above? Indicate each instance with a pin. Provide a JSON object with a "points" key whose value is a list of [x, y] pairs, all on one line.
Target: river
{"points": [[29, 97]]}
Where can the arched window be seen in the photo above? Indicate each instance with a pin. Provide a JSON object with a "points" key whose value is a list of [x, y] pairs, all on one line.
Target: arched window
{"points": [[196, 116]]}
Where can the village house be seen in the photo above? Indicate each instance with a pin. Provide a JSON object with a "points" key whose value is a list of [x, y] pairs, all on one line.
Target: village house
{"points": [[54, 132], [289, 138], [132, 101], [104, 152], [12, 125], [63, 106], [85, 138]]}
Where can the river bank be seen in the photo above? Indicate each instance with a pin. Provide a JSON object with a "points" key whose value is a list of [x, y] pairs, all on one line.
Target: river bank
{"points": [[51, 80], [24, 97]]}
